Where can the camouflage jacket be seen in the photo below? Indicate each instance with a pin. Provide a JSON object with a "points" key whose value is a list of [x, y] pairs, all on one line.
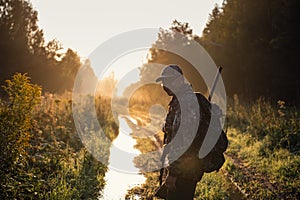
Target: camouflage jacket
{"points": [[180, 128]]}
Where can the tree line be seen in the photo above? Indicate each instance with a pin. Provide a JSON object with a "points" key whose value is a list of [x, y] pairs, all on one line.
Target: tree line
{"points": [[256, 43], [24, 49]]}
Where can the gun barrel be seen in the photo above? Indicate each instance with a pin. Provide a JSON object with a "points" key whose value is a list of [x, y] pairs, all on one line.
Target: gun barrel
{"points": [[215, 83]]}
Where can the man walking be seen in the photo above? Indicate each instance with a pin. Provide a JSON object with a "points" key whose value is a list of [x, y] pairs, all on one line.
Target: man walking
{"points": [[180, 128]]}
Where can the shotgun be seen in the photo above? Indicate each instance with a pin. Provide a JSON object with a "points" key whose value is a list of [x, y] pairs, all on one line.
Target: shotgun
{"points": [[215, 83]]}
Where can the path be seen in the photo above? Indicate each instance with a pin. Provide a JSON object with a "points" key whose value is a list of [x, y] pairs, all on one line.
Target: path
{"points": [[250, 174]]}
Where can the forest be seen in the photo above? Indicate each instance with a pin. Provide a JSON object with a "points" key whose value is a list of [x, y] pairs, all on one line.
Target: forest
{"points": [[257, 44]]}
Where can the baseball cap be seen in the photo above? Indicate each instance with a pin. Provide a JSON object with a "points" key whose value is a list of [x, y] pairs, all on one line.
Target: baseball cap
{"points": [[170, 71]]}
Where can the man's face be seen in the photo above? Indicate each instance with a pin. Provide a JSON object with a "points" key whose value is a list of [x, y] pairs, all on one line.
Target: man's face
{"points": [[168, 85]]}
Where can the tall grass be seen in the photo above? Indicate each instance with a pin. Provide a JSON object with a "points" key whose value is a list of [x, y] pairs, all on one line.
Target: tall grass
{"points": [[42, 156], [265, 138], [277, 125], [262, 159]]}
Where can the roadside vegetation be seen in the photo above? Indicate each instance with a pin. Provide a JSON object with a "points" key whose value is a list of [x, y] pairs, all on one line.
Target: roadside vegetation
{"points": [[262, 160], [263, 155], [41, 154]]}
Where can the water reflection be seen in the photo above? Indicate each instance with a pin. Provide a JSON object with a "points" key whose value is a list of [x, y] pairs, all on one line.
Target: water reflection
{"points": [[122, 174]]}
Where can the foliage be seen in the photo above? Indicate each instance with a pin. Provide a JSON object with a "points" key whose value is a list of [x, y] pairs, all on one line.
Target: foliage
{"points": [[264, 146], [19, 26], [174, 46], [255, 42], [213, 186], [273, 175], [257, 45], [41, 153], [15, 120], [20, 35], [278, 126], [105, 117]]}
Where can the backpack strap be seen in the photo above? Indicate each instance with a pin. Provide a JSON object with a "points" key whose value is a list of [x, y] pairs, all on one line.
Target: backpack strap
{"points": [[205, 117]]}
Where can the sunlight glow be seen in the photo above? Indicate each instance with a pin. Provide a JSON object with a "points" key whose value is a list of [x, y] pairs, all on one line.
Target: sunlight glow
{"points": [[84, 26]]}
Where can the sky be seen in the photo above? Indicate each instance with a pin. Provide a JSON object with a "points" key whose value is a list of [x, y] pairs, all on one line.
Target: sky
{"points": [[84, 25]]}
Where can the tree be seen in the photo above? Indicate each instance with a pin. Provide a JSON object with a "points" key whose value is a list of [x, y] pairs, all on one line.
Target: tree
{"points": [[67, 70], [178, 39], [259, 46], [23, 49], [19, 34]]}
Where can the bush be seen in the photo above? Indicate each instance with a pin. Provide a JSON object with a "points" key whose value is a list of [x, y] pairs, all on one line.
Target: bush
{"points": [[15, 119], [15, 125], [41, 153]]}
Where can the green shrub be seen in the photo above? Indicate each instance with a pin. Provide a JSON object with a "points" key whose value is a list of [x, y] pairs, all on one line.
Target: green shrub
{"points": [[15, 119], [41, 153], [15, 125]]}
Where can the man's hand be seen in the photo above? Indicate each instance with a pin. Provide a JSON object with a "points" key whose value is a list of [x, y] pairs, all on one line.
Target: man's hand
{"points": [[170, 182]]}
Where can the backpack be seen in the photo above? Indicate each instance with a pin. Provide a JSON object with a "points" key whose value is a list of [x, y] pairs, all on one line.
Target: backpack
{"points": [[214, 160]]}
